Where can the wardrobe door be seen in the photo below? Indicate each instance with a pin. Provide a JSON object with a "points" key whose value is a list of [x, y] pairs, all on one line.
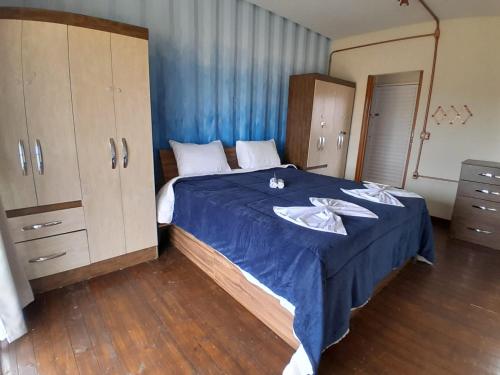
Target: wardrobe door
{"points": [[317, 121], [340, 131], [91, 83], [133, 122], [17, 189], [321, 124], [49, 112]]}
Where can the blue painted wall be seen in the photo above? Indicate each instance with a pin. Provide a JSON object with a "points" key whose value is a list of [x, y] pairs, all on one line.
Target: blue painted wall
{"points": [[218, 68]]}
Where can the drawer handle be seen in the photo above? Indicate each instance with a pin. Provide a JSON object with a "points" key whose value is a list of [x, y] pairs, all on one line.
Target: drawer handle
{"points": [[477, 230], [489, 175], [42, 225], [484, 191], [44, 258], [484, 208]]}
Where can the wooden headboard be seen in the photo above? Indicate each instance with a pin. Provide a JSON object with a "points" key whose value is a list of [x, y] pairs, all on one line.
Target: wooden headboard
{"points": [[169, 165]]}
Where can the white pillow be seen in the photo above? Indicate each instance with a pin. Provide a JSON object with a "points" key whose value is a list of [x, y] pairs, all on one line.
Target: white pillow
{"points": [[257, 154], [193, 159]]}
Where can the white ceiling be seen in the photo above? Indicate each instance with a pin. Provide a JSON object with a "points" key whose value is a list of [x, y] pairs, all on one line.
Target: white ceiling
{"points": [[339, 18]]}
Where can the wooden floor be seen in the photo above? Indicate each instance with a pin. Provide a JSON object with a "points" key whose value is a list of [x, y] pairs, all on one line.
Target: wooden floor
{"points": [[167, 317]]}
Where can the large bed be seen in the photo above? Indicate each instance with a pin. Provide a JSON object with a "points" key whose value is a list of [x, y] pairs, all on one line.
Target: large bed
{"points": [[302, 283]]}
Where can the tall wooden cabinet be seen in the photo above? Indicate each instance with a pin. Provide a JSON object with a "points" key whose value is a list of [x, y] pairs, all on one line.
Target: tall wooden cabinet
{"points": [[318, 124], [76, 144]]}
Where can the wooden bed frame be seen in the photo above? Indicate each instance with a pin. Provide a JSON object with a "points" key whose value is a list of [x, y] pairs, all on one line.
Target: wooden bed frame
{"points": [[261, 304]]}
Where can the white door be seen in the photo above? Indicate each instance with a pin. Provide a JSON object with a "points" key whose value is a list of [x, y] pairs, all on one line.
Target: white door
{"points": [[133, 123], [337, 143], [389, 133], [49, 112], [17, 188], [93, 106], [321, 123]]}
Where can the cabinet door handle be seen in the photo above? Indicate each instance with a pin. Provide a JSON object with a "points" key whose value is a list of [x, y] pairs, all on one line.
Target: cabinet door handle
{"points": [[489, 175], [340, 139], [39, 157], [44, 258], [485, 191], [22, 157], [323, 142], [484, 208], [477, 230], [318, 143], [41, 225], [125, 152], [112, 147]]}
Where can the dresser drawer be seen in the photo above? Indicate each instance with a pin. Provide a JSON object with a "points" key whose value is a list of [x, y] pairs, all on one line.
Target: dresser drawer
{"points": [[476, 173], [46, 256], [479, 210], [29, 227], [480, 232], [479, 191]]}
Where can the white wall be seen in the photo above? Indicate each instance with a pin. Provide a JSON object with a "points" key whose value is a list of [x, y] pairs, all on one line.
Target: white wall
{"points": [[467, 72]]}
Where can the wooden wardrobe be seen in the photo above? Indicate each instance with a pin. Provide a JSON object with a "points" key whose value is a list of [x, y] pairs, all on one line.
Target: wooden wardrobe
{"points": [[76, 169], [318, 123]]}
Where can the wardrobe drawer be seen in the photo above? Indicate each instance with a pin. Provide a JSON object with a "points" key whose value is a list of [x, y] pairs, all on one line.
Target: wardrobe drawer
{"points": [[476, 173], [477, 210], [46, 256], [480, 232], [29, 227], [479, 191]]}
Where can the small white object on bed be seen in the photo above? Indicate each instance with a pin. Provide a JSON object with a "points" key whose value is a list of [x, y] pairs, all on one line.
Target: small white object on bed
{"points": [[257, 154], [194, 159]]}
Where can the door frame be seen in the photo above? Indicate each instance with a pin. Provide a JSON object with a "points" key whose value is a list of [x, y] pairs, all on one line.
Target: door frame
{"points": [[363, 139]]}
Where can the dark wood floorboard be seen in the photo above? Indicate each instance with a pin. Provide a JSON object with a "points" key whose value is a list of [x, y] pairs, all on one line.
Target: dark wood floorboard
{"points": [[168, 317]]}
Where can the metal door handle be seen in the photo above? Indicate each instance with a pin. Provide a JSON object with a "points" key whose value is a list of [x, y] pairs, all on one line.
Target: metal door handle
{"points": [[112, 147], [489, 175], [22, 157], [340, 139], [39, 157], [485, 191], [323, 143], [477, 230], [318, 143], [41, 225], [44, 258], [484, 208], [125, 152]]}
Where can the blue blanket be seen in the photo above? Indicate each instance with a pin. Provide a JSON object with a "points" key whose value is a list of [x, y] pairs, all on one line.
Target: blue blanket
{"points": [[323, 274]]}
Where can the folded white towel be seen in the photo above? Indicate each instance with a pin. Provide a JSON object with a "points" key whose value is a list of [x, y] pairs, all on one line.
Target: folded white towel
{"points": [[380, 193], [324, 216]]}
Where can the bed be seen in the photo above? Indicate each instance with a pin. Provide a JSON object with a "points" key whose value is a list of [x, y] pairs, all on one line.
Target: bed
{"points": [[303, 284]]}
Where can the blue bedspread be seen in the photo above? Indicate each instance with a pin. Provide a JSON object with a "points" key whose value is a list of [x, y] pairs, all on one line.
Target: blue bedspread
{"points": [[323, 274]]}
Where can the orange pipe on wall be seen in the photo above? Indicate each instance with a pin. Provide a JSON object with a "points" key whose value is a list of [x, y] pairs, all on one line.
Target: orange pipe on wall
{"points": [[424, 135]]}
